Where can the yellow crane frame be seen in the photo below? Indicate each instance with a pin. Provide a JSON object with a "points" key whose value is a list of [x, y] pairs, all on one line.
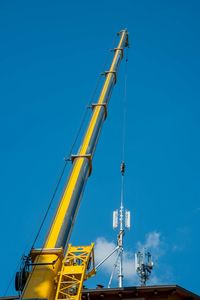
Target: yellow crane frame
{"points": [[77, 266], [48, 261]]}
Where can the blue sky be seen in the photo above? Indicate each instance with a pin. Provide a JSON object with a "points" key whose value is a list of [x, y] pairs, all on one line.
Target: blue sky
{"points": [[51, 54]]}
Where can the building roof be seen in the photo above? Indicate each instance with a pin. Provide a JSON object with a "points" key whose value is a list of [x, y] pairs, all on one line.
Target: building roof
{"points": [[139, 292], [157, 291]]}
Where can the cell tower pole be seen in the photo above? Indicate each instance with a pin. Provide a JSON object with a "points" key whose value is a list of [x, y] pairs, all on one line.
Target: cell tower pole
{"points": [[144, 265], [121, 221], [120, 239]]}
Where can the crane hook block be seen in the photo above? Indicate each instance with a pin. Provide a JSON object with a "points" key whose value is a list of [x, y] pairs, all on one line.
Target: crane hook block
{"points": [[122, 168]]}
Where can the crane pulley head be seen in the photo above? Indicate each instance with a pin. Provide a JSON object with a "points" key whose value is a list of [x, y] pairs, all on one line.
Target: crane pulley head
{"points": [[122, 168]]}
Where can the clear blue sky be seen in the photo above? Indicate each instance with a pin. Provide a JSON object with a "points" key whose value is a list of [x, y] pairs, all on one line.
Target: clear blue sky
{"points": [[51, 53]]}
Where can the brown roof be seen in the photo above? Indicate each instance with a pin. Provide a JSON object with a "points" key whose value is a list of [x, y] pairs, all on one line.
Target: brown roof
{"points": [[130, 292], [140, 291]]}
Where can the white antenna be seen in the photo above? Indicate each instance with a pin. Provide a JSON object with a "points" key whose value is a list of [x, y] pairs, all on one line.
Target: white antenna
{"points": [[115, 219], [127, 219], [143, 265]]}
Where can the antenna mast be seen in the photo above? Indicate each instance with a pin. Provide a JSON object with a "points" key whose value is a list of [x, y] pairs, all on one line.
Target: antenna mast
{"points": [[121, 220], [143, 265]]}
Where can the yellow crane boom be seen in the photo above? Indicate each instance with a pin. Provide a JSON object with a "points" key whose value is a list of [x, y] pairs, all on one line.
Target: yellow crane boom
{"points": [[48, 261]]}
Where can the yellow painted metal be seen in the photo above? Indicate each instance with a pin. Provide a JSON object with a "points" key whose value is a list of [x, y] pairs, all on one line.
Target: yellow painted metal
{"points": [[41, 282], [65, 201], [77, 266]]}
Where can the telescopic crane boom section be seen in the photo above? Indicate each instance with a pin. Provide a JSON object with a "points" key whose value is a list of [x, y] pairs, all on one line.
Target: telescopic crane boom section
{"points": [[48, 261]]}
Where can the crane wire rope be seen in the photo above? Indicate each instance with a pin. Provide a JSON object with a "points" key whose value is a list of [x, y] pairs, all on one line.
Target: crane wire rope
{"points": [[124, 120], [124, 108], [66, 161], [119, 257], [124, 125]]}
